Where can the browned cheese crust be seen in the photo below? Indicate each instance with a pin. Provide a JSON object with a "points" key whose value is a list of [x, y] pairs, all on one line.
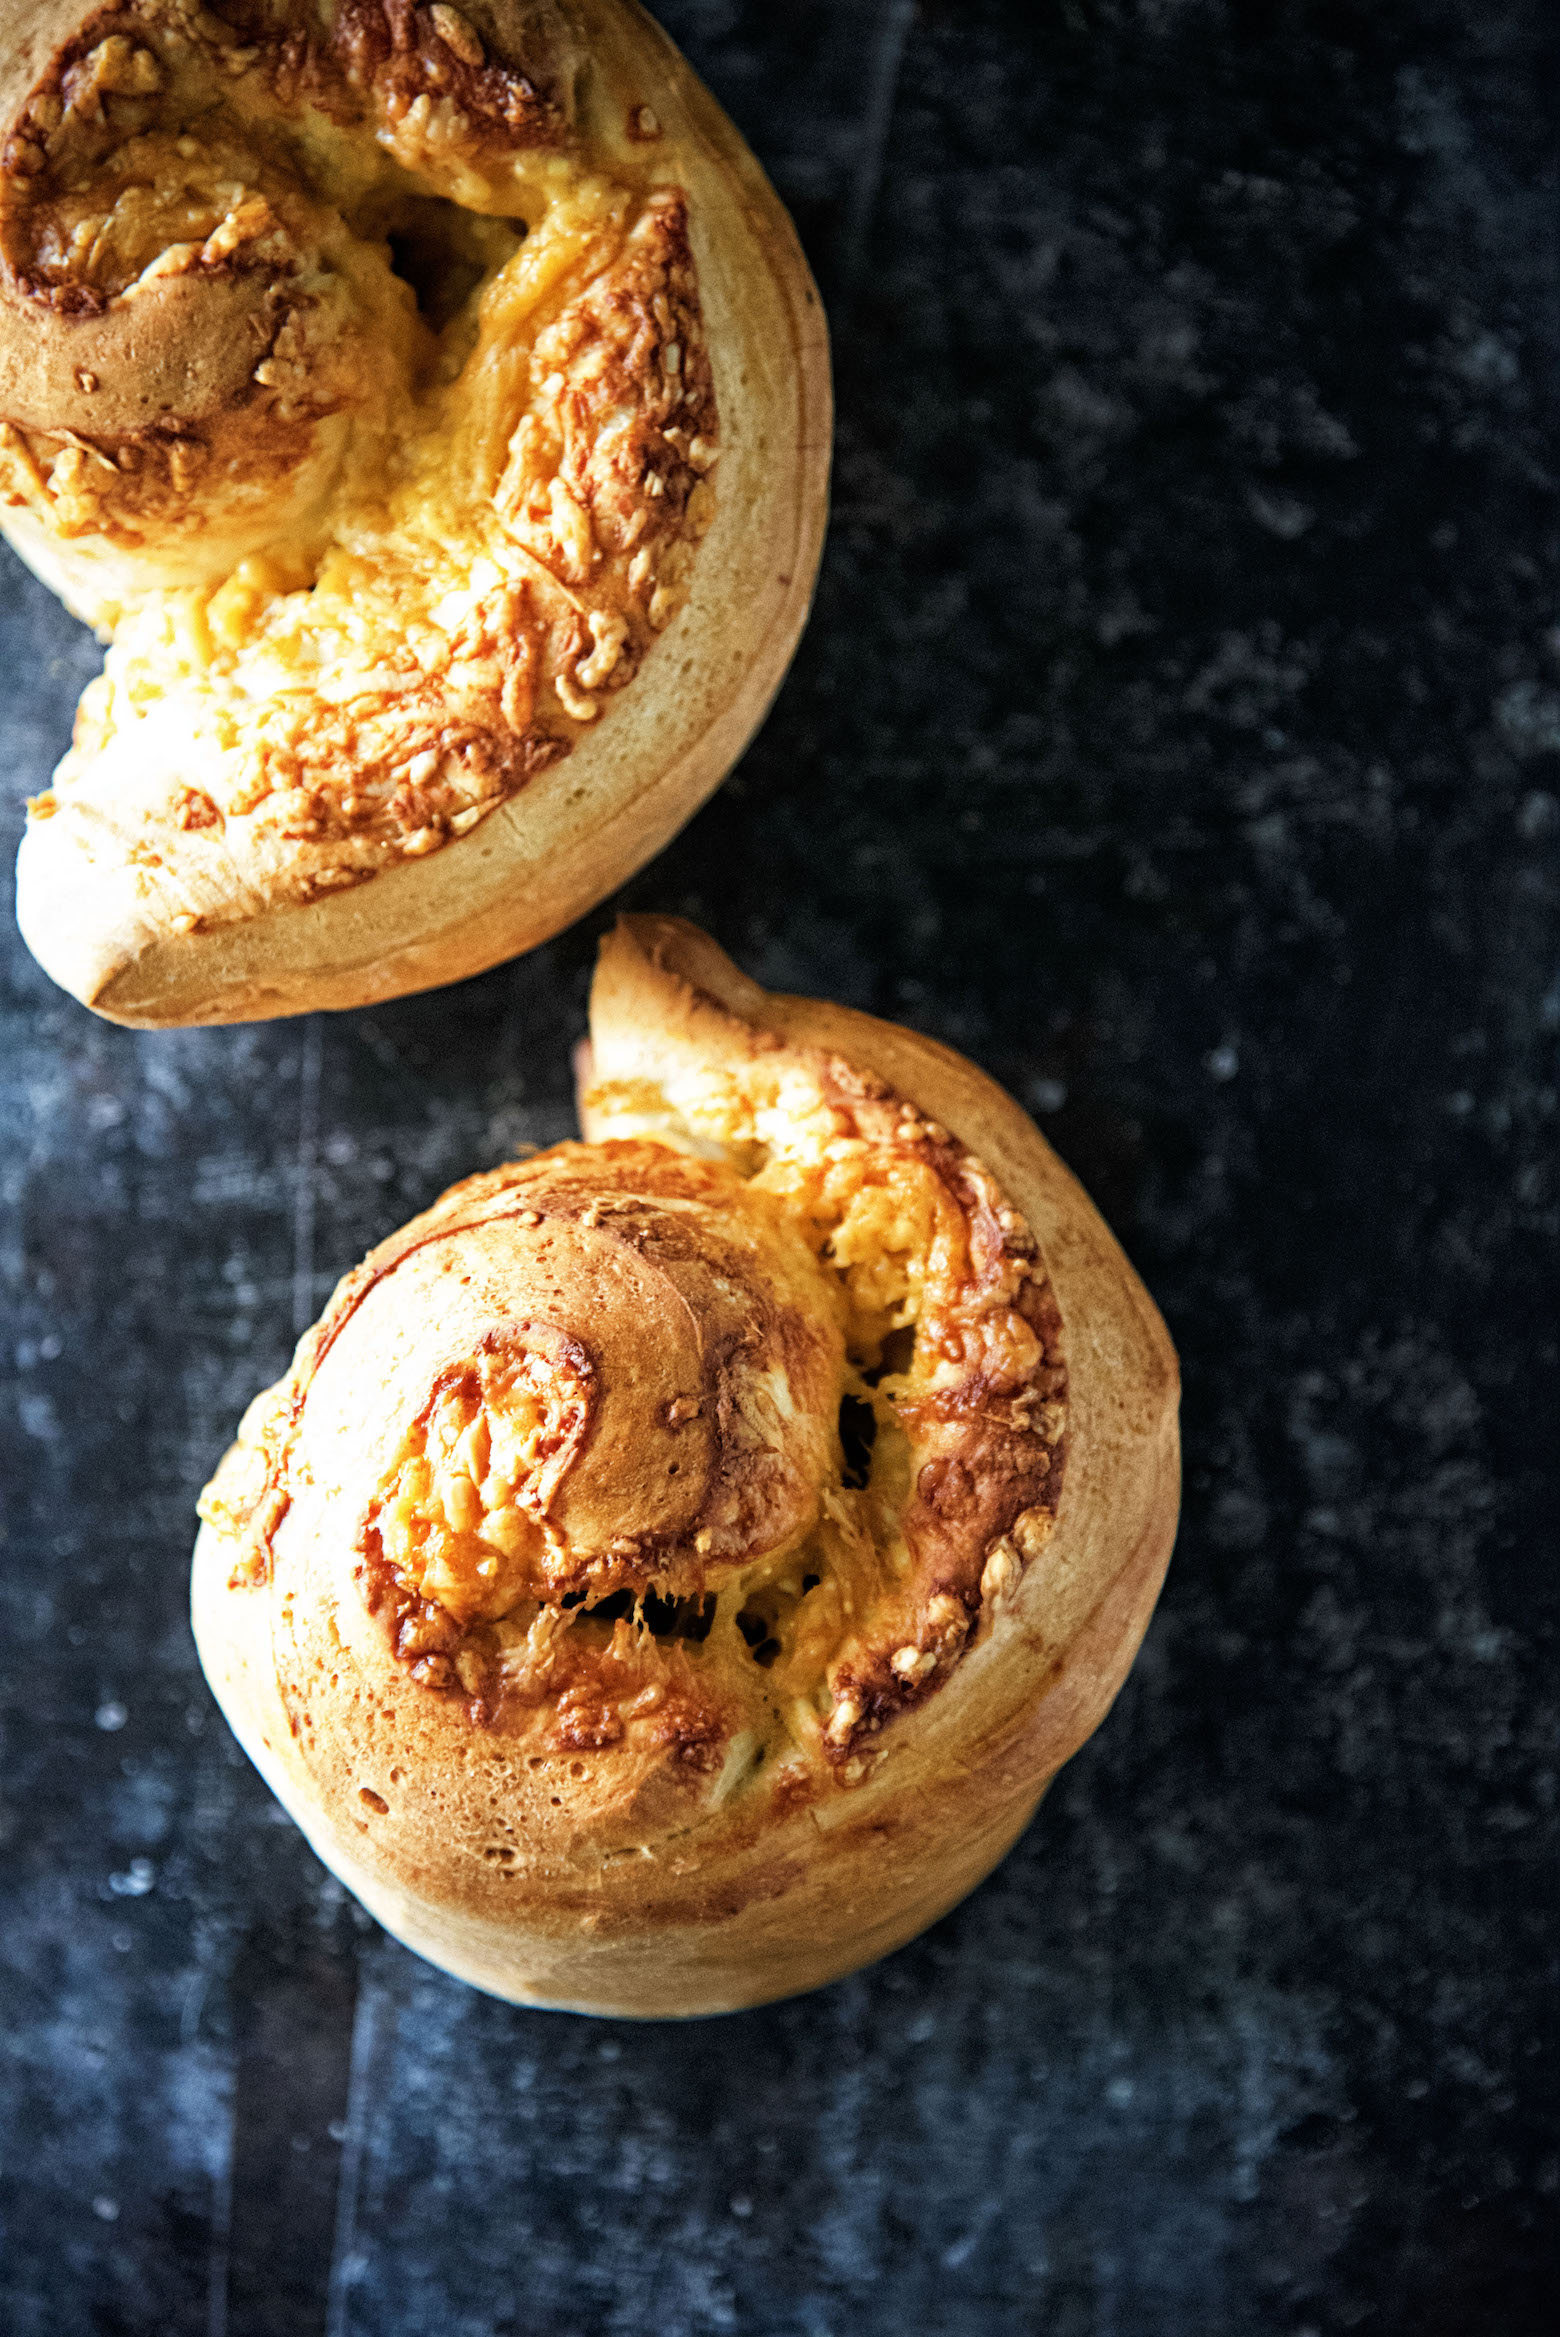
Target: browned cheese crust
{"points": [[355, 380], [636, 1501]]}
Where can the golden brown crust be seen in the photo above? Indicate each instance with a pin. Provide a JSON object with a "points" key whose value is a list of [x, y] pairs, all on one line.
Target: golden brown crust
{"points": [[373, 575], [728, 1706]]}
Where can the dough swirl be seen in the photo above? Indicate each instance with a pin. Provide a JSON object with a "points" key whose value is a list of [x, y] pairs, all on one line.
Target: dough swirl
{"points": [[356, 379], [656, 1497]]}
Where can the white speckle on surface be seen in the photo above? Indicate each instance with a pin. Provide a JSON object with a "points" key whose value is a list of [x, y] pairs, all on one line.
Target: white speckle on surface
{"points": [[39, 1418], [1527, 714], [1284, 516]]}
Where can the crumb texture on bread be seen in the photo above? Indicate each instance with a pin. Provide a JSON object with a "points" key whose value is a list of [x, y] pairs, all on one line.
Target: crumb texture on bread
{"points": [[654, 1518]]}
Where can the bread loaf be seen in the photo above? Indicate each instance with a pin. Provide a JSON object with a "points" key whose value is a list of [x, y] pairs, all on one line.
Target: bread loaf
{"points": [[677, 1563], [431, 406]]}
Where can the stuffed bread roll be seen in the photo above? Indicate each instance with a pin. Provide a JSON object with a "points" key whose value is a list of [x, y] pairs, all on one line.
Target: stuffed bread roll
{"points": [[430, 405], [677, 1563]]}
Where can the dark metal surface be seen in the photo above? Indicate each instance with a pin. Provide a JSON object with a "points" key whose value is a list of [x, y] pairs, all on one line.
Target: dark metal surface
{"points": [[1179, 733]]}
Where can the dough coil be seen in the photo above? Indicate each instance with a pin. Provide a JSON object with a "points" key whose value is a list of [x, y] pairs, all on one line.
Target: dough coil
{"points": [[676, 1563], [431, 404]]}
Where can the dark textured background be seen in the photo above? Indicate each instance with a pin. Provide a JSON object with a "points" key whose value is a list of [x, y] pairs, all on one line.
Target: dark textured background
{"points": [[1179, 733]]}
